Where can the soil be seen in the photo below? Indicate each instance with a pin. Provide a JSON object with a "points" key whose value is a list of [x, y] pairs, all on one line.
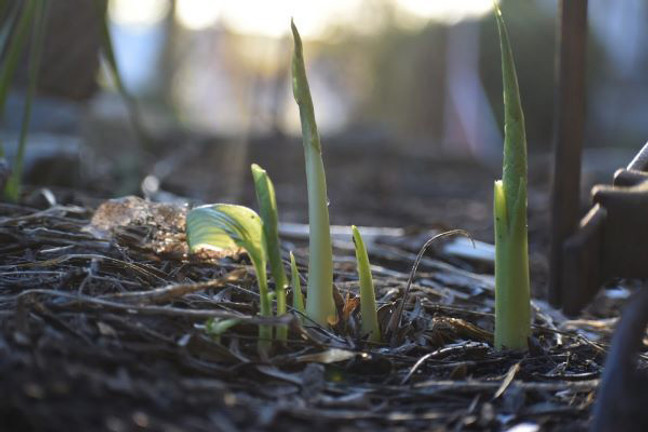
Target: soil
{"points": [[105, 316], [104, 328]]}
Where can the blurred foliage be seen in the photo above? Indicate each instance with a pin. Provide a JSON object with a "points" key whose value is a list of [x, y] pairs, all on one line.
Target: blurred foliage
{"points": [[402, 73]]}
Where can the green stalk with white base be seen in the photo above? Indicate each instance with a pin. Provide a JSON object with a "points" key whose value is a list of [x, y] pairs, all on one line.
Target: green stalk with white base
{"points": [[319, 303], [512, 285]]}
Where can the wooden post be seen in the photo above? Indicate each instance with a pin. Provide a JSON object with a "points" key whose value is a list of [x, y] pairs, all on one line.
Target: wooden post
{"points": [[569, 126]]}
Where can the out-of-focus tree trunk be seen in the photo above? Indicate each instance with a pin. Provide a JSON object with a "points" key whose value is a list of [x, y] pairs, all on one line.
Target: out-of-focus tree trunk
{"points": [[70, 62], [169, 56]]}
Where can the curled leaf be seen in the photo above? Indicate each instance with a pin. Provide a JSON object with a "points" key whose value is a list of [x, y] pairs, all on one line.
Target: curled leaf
{"points": [[222, 227], [226, 226]]}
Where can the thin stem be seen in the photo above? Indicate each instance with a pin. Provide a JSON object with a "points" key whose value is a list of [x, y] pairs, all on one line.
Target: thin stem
{"points": [[109, 52], [395, 321], [265, 305], [12, 189], [298, 296]]}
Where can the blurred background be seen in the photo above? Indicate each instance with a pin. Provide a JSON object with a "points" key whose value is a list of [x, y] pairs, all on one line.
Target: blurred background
{"points": [[407, 96]]}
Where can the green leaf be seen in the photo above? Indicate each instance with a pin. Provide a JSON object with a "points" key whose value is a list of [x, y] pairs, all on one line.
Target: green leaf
{"points": [[227, 226], [367, 295], [268, 206], [266, 199], [515, 146], [215, 327], [205, 231]]}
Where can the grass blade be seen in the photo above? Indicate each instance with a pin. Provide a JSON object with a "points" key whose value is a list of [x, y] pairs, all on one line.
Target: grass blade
{"points": [[9, 19], [319, 305], [266, 199], [13, 186], [109, 52]]}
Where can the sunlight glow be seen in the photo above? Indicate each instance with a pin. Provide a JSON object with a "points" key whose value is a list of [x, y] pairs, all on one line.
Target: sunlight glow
{"points": [[315, 17], [138, 12], [200, 14], [265, 18], [444, 10], [269, 18]]}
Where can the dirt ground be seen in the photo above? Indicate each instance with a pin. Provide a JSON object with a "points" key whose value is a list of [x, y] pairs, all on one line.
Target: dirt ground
{"points": [[104, 316]]}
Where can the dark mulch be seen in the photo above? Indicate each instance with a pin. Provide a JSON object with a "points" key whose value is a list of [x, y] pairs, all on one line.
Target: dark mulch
{"points": [[103, 328]]}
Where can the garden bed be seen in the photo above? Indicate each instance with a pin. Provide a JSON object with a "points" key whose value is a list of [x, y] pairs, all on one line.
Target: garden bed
{"points": [[103, 328]]}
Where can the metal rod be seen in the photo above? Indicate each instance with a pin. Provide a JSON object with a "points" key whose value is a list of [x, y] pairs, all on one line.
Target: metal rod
{"points": [[640, 161], [569, 126]]}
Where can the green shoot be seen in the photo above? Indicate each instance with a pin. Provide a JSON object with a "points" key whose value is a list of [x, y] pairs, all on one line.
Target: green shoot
{"points": [[512, 285], [298, 296], [226, 227], [216, 327], [367, 295], [265, 194], [12, 189], [319, 306]]}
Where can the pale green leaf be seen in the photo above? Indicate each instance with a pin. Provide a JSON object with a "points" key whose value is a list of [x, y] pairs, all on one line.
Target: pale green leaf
{"points": [[216, 227], [227, 226]]}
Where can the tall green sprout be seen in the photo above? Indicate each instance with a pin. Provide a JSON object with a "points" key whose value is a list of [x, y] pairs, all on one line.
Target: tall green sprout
{"points": [[367, 295], [319, 305], [512, 286], [265, 194], [226, 227]]}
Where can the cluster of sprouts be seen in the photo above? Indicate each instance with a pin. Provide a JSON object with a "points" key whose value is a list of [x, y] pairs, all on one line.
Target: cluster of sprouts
{"points": [[226, 226]]}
